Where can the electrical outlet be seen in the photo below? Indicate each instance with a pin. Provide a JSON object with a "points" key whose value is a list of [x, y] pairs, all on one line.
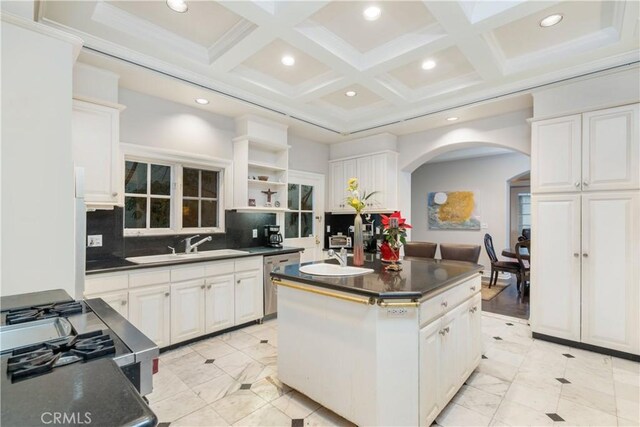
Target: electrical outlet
{"points": [[328, 229], [397, 312], [94, 241], [255, 233]]}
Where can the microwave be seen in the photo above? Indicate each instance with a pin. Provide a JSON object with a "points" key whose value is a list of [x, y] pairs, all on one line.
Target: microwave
{"points": [[339, 241]]}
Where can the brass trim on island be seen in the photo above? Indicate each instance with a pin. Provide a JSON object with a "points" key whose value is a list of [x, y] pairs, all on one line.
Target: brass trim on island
{"points": [[383, 303], [280, 282]]}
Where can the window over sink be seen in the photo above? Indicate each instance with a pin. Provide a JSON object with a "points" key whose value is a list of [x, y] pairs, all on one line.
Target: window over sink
{"points": [[172, 196]]}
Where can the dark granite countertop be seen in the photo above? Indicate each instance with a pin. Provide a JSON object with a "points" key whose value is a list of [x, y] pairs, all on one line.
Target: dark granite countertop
{"points": [[120, 264], [416, 279], [92, 393]]}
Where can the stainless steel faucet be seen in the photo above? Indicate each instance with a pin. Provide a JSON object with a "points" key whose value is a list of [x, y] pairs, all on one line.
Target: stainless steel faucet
{"points": [[341, 257], [193, 248]]}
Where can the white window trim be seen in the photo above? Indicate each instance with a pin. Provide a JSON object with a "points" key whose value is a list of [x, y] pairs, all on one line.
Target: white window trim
{"points": [[178, 160]]}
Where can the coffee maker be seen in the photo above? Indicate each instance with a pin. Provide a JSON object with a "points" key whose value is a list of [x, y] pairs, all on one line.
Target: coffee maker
{"points": [[274, 238]]}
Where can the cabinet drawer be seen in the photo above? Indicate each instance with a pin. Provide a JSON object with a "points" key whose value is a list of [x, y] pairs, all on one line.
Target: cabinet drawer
{"points": [[149, 277], [253, 263], [187, 273], [105, 283], [218, 268], [448, 300]]}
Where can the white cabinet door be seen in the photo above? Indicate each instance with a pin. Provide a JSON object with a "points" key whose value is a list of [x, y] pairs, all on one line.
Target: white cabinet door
{"points": [[365, 175], [610, 279], [555, 155], [187, 310], [149, 311], [611, 149], [338, 185], [555, 266], [119, 301], [430, 360], [95, 137], [380, 182], [475, 330], [449, 375], [219, 302], [248, 296]]}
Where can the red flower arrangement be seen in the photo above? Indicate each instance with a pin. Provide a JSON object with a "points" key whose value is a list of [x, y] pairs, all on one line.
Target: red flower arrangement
{"points": [[395, 235]]}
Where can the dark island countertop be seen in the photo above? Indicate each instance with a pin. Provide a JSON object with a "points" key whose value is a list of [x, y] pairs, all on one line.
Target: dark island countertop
{"points": [[416, 279], [121, 264]]}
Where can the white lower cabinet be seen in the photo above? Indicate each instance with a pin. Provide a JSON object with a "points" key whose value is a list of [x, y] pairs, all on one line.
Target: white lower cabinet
{"points": [[187, 310], [450, 349], [248, 296], [119, 301], [150, 311], [220, 302]]}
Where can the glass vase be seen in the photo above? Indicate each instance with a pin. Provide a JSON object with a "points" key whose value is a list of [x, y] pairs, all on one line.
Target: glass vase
{"points": [[358, 242]]}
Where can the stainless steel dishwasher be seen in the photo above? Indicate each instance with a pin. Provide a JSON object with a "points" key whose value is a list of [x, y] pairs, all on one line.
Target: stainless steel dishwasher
{"points": [[270, 295]]}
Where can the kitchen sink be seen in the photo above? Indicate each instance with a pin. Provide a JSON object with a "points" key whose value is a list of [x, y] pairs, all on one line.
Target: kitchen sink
{"points": [[333, 270], [151, 259]]}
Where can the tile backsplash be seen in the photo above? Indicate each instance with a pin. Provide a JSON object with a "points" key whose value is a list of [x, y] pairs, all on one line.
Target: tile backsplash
{"points": [[109, 224]]}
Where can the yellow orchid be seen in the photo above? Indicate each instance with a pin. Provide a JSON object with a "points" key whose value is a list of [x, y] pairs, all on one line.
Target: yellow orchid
{"points": [[355, 200]]}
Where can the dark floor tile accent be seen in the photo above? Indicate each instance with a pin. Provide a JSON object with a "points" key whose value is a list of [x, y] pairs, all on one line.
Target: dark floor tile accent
{"points": [[497, 338], [555, 417], [163, 424], [264, 341], [297, 422], [509, 324], [569, 356], [484, 357], [209, 360], [563, 380], [245, 386]]}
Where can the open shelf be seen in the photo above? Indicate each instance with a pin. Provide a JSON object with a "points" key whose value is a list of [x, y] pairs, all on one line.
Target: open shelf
{"points": [[259, 209], [257, 181], [266, 166]]}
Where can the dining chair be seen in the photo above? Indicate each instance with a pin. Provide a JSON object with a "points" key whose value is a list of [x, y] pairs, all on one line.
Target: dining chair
{"points": [[420, 249], [524, 264], [526, 234], [459, 252], [498, 266]]}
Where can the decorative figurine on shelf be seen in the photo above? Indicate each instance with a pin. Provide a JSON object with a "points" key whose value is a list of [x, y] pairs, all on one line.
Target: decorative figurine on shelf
{"points": [[358, 202], [252, 202], [269, 193], [395, 235]]}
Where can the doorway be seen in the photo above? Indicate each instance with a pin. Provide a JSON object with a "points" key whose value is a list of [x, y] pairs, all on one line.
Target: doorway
{"points": [[519, 206], [303, 221]]}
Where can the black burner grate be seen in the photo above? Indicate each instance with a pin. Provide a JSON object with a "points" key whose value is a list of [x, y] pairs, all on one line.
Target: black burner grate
{"points": [[43, 312]]}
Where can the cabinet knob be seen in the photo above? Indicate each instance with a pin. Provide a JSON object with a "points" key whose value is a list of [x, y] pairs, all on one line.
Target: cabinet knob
{"points": [[577, 184], [473, 309], [114, 194], [201, 286], [585, 255], [208, 286], [166, 294], [442, 332], [238, 282], [576, 254], [585, 183], [473, 288], [123, 302], [444, 303]]}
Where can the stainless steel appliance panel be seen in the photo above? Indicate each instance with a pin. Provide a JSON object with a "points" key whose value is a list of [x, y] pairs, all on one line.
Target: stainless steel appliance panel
{"points": [[270, 295]]}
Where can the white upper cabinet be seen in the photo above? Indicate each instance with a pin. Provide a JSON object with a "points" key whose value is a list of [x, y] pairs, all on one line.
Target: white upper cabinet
{"points": [[555, 155], [96, 135], [610, 254], [594, 151], [611, 149], [376, 172]]}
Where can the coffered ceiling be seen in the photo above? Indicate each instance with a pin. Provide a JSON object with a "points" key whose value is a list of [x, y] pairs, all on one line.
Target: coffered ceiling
{"points": [[472, 50]]}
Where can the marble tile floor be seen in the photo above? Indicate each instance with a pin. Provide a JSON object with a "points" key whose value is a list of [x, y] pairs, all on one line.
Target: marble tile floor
{"points": [[232, 379]]}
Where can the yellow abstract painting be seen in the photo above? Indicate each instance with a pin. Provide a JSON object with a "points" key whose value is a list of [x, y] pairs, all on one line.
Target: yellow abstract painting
{"points": [[452, 210]]}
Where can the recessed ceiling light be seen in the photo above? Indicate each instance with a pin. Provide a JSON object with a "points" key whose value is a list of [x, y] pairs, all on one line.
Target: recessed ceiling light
{"points": [[179, 6], [372, 13], [351, 93], [551, 20], [288, 60], [202, 101], [429, 64], [452, 119]]}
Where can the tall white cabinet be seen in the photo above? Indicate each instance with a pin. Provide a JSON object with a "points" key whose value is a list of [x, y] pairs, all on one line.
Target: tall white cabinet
{"points": [[585, 275]]}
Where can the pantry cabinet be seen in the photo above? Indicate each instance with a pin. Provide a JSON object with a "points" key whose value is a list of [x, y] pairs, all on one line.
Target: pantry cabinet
{"points": [[594, 151], [376, 172], [187, 310], [150, 311], [95, 135]]}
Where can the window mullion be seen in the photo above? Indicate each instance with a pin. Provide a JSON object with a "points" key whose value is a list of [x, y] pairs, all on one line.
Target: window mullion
{"points": [[148, 196]]}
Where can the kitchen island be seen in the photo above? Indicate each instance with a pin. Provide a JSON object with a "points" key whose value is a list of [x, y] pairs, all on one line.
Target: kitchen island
{"points": [[384, 348]]}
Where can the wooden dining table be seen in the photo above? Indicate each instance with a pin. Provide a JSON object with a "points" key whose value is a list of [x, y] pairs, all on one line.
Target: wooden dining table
{"points": [[511, 253]]}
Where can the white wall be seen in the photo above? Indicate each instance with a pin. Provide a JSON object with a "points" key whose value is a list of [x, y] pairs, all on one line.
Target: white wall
{"points": [[307, 155], [487, 177], [37, 166], [156, 122]]}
